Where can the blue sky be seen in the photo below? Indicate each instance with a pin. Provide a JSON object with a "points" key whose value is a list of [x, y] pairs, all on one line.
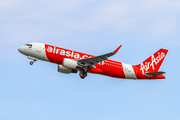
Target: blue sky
{"points": [[95, 27]]}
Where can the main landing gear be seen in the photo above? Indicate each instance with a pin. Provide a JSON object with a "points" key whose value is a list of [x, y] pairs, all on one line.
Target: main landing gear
{"points": [[83, 73]]}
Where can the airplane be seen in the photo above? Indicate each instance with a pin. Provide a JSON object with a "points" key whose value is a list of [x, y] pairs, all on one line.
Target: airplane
{"points": [[70, 61]]}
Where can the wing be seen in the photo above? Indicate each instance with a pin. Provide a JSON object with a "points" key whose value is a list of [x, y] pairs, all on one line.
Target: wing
{"points": [[97, 59]]}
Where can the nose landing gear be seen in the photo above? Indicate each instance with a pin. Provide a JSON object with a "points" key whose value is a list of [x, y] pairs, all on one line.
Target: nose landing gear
{"points": [[32, 58], [31, 63]]}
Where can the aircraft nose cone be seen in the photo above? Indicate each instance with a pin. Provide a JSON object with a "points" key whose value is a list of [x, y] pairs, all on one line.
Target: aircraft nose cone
{"points": [[20, 49]]}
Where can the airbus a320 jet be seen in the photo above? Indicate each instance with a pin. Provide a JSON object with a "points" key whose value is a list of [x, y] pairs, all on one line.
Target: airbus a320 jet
{"points": [[70, 61]]}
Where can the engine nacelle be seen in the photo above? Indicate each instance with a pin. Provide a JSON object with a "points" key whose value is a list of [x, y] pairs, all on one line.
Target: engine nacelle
{"points": [[64, 69], [68, 63]]}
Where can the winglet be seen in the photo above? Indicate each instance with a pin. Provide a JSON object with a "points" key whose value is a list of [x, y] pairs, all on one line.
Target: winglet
{"points": [[117, 49]]}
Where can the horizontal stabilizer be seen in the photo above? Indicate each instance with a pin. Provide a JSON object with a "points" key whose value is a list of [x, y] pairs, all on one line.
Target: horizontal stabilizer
{"points": [[154, 73]]}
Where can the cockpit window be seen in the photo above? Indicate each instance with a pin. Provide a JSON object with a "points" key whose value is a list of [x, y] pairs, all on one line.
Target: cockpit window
{"points": [[30, 45]]}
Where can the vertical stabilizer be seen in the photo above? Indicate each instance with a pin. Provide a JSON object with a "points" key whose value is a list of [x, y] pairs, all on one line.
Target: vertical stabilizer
{"points": [[153, 63]]}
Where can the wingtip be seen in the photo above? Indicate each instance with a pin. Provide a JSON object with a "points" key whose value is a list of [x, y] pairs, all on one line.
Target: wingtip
{"points": [[115, 51]]}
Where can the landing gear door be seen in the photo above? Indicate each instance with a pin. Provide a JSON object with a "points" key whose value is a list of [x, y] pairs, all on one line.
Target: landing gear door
{"points": [[39, 46]]}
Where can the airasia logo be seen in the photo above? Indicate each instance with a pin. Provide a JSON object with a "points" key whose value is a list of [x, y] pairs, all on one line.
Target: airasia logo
{"points": [[154, 61], [66, 53]]}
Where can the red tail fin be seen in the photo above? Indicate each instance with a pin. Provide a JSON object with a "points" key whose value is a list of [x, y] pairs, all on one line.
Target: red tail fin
{"points": [[153, 63]]}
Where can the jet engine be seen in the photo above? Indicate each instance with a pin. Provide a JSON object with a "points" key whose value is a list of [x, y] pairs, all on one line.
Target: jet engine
{"points": [[69, 63], [66, 70]]}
